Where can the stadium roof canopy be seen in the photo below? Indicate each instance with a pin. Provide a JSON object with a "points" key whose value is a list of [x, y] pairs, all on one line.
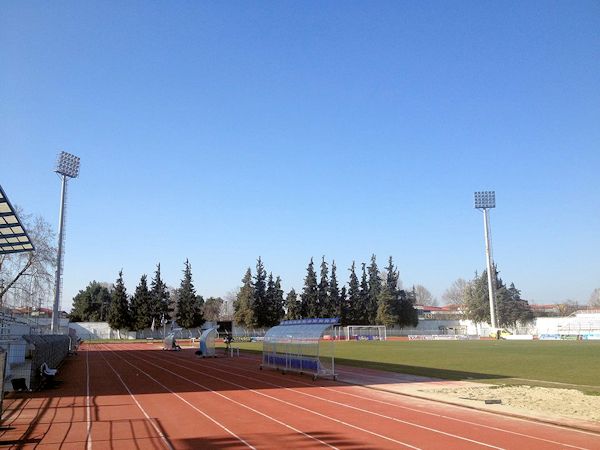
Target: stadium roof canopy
{"points": [[13, 237]]}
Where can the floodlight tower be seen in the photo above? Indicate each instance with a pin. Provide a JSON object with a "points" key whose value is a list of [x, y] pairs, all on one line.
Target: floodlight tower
{"points": [[67, 166], [485, 200]]}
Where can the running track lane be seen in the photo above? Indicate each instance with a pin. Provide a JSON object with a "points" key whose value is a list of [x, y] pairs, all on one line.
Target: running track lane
{"points": [[113, 417], [426, 419], [38, 420], [299, 413], [490, 429]]}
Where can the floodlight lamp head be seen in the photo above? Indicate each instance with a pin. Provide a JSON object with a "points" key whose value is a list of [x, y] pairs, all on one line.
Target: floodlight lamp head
{"points": [[485, 199], [67, 165]]}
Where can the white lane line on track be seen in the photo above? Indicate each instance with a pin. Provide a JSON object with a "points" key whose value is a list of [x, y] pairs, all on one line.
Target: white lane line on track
{"points": [[88, 417], [447, 417], [281, 401], [458, 407], [257, 412], [227, 398], [154, 425], [511, 418], [423, 427]]}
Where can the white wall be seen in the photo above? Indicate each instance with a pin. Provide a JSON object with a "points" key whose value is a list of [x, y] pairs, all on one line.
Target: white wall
{"points": [[98, 330]]}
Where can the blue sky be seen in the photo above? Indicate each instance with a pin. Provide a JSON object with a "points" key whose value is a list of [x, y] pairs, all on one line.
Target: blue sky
{"points": [[220, 132]]}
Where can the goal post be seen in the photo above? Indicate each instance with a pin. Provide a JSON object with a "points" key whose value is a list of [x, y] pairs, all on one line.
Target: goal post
{"points": [[365, 332]]}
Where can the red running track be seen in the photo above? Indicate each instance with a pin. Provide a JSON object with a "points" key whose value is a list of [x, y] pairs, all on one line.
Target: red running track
{"points": [[136, 396]]}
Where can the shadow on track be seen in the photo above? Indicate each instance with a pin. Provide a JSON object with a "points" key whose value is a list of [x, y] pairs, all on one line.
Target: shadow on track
{"points": [[393, 373]]}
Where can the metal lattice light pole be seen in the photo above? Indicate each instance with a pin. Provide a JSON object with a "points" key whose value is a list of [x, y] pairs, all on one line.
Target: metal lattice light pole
{"points": [[485, 200], [67, 166]]}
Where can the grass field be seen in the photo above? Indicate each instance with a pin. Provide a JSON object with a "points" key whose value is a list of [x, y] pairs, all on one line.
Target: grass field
{"points": [[544, 363]]}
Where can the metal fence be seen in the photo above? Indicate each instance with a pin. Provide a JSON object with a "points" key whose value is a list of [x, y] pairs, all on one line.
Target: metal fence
{"points": [[25, 356]]}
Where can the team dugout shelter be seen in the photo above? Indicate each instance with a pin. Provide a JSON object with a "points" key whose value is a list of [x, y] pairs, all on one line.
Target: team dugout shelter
{"points": [[13, 237], [303, 346]]}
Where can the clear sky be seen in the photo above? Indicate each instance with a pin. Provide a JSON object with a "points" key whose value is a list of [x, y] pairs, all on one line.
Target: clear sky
{"points": [[221, 131]]}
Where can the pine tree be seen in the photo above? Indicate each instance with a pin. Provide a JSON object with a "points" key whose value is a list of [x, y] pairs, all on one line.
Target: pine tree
{"points": [[91, 304], [353, 300], [292, 306], [374, 290], [189, 306], [407, 313], [140, 306], [159, 306], [309, 293], [118, 312], [511, 309], [259, 304], [324, 302], [243, 309], [335, 308]]}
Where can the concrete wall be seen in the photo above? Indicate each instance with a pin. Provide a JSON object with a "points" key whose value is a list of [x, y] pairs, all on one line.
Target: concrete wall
{"points": [[99, 330]]}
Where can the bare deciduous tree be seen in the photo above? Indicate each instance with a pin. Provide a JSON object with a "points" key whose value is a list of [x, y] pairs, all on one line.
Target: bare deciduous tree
{"points": [[455, 294], [423, 296], [26, 278], [595, 298], [568, 307], [212, 308]]}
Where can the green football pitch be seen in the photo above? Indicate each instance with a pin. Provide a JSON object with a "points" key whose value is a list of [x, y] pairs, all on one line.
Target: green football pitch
{"points": [[568, 364]]}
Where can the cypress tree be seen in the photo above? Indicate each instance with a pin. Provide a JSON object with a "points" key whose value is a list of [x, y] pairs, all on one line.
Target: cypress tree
{"points": [[118, 312], [386, 308], [243, 310], [343, 307], [159, 306], [391, 278], [292, 306], [363, 318], [309, 293], [274, 302], [140, 306], [335, 304], [374, 290], [260, 306], [324, 307], [388, 305], [353, 300], [269, 300], [189, 305], [278, 302]]}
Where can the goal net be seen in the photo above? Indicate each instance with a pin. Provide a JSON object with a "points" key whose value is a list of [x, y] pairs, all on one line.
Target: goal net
{"points": [[365, 332]]}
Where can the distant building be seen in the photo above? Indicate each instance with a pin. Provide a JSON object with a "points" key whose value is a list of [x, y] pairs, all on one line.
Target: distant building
{"points": [[447, 312], [545, 310]]}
